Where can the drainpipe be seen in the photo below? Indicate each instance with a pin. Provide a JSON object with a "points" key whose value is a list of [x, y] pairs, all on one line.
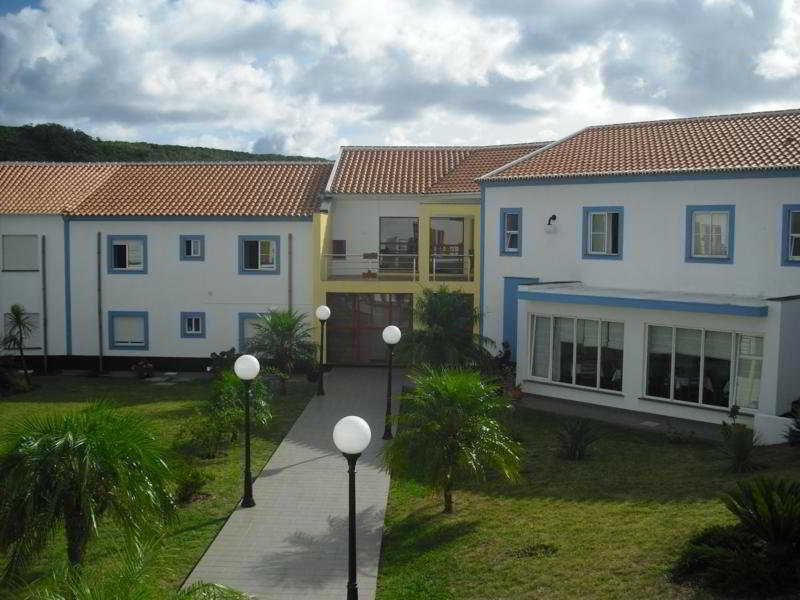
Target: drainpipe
{"points": [[290, 271], [99, 304], [44, 304]]}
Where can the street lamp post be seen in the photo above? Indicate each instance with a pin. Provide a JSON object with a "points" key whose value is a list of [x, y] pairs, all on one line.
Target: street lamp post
{"points": [[351, 435], [391, 335], [323, 314], [246, 368]]}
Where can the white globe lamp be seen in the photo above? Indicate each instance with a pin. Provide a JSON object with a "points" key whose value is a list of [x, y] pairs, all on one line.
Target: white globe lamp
{"points": [[246, 367], [391, 334], [351, 435], [323, 312]]}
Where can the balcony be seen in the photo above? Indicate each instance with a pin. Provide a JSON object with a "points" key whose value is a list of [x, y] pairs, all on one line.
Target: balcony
{"points": [[452, 267], [372, 265]]}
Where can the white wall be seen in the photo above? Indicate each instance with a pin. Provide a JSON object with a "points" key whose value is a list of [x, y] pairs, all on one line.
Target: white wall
{"points": [[633, 380], [357, 220], [172, 286], [26, 287], [653, 238]]}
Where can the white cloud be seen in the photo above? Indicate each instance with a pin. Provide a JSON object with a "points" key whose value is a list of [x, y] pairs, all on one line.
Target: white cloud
{"points": [[783, 59]]}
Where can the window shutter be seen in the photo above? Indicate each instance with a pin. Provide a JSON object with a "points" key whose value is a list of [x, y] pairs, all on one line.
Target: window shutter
{"points": [[20, 253], [129, 330]]}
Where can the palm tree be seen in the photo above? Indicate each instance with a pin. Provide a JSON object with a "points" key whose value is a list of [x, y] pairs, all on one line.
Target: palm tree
{"points": [[73, 470], [20, 327], [450, 431], [282, 339], [446, 336]]}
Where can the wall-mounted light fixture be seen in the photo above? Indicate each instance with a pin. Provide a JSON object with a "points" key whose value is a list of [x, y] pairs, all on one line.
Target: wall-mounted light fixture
{"points": [[550, 226]]}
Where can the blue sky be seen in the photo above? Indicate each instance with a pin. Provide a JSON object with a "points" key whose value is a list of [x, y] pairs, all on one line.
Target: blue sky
{"points": [[305, 76]]}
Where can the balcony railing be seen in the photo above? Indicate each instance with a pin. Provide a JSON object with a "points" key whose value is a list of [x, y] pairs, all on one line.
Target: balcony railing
{"points": [[452, 267], [373, 265]]}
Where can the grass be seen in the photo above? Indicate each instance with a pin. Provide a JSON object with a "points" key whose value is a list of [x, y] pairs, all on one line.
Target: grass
{"points": [[166, 406], [608, 527]]}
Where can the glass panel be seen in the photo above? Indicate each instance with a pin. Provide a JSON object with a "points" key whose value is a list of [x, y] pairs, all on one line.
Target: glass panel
{"points": [[717, 370], [120, 256], [659, 361], [266, 254], [794, 222], [251, 254], [129, 330], [399, 235], [187, 247], [748, 370], [135, 254], [598, 243], [512, 241], [512, 222], [612, 336], [249, 330], [710, 234], [563, 348], [586, 353], [599, 223], [794, 248], [195, 247], [687, 365], [614, 233], [541, 347]]}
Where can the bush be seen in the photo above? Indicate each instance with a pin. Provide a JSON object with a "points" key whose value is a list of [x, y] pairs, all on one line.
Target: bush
{"points": [[204, 435], [575, 437], [191, 482], [793, 432], [739, 444], [223, 361]]}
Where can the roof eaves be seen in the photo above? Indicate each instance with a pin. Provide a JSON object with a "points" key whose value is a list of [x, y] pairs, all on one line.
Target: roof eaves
{"points": [[332, 176]]}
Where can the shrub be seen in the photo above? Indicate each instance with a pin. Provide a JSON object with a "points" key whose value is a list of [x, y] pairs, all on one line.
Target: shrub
{"points": [[739, 444], [282, 340], [223, 360], [143, 368], [204, 435], [191, 482], [227, 402], [793, 432], [575, 437]]}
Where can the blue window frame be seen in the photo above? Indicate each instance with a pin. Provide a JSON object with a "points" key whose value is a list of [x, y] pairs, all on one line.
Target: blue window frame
{"points": [[710, 233], [128, 330], [244, 319], [193, 247], [603, 228], [127, 254], [259, 255], [790, 243], [510, 232], [193, 324]]}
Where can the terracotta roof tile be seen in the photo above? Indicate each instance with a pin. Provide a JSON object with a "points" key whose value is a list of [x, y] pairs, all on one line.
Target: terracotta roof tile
{"points": [[289, 189], [741, 142], [419, 169]]}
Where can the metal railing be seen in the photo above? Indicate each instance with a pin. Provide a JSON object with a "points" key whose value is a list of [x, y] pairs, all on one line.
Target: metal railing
{"points": [[372, 265], [452, 267]]}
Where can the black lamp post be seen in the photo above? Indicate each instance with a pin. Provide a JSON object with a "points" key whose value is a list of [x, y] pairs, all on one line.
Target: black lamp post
{"points": [[246, 368], [391, 335], [351, 435], [323, 314]]}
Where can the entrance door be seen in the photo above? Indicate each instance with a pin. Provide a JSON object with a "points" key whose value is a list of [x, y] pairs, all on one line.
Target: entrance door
{"points": [[357, 321]]}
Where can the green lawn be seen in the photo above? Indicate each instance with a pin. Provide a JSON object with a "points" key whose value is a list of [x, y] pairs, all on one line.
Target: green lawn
{"points": [[609, 527], [166, 406]]}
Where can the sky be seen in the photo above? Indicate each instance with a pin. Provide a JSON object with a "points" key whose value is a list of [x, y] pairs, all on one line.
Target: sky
{"points": [[307, 76]]}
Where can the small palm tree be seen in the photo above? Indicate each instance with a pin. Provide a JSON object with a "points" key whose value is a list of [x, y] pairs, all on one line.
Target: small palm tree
{"points": [[450, 431], [446, 336], [20, 327], [73, 470], [282, 339]]}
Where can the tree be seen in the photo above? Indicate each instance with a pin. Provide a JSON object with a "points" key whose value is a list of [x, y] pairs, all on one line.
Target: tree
{"points": [[450, 431], [74, 470], [447, 334], [20, 327], [282, 339]]}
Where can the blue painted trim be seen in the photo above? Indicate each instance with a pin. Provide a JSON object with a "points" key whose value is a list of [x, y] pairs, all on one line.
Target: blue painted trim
{"points": [[483, 259], [182, 244], [250, 238], [588, 210], [67, 289], [112, 314], [110, 240], [510, 291], [788, 209], [193, 218], [647, 304], [243, 316], [503, 213], [689, 234], [654, 177], [191, 315]]}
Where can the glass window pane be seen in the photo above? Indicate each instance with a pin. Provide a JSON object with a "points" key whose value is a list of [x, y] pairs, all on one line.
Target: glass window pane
{"points": [[512, 241], [563, 334], [266, 254], [794, 247], [586, 353], [598, 242], [614, 234], [717, 370], [512, 222], [612, 336], [795, 222], [659, 361], [541, 347], [251, 254], [129, 330], [187, 247], [687, 365], [120, 257], [599, 223], [135, 254], [750, 350], [398, 235]]}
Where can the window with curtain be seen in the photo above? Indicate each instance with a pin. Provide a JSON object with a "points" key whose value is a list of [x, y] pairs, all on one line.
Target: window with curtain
{"points": [[710, 234], [749, 358], [20, 252], [541, 346], [128, 330]]}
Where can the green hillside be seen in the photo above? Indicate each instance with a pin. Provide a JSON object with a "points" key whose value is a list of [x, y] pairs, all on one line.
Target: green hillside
{"points": [[54, 143]]}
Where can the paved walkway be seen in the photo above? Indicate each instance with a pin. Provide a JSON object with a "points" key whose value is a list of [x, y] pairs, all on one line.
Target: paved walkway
{"points": [[293, 543]]}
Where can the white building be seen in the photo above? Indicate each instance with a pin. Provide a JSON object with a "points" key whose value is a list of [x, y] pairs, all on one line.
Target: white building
{"points": [[653, 266]]}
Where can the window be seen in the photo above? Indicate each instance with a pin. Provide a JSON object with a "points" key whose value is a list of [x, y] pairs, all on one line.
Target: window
{"points": [[602, 232], [128, 330], [193, 247], [511, 231], [259, 254], [20, 253], [247, 329], [32, 341], [398, 235], [127, 254], [581, 352], [709, 233], [193, 324], [339, 248], [699, 366], [790, 248]]}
